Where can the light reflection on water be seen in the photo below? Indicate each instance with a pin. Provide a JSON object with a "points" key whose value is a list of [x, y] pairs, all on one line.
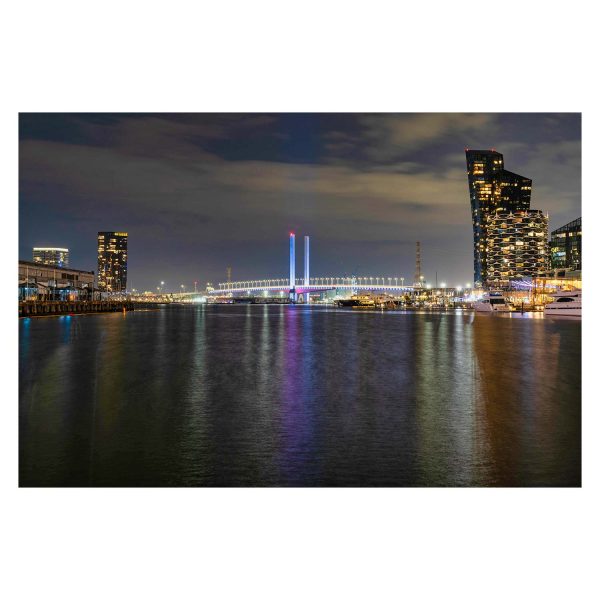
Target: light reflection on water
{"points": [[291, 395]]}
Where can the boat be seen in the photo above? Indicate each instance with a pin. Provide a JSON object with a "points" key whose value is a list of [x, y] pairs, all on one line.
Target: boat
{"points": [[493, 303], [357, 301], [565, 304], [381, 301]]}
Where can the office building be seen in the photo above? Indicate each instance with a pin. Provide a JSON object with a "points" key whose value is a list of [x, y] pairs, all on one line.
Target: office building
{"points": [[112, 261], [57, 257], [491, 189], [517, 246], [565, 246]]}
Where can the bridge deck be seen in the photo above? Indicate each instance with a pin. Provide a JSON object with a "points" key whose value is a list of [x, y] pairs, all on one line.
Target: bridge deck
{"points": [[324, 285]]}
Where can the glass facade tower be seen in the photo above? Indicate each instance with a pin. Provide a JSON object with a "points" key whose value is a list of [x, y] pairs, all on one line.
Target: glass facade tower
{"points": [[492, 189], [112, 261], [512, 192], [565, 246]]}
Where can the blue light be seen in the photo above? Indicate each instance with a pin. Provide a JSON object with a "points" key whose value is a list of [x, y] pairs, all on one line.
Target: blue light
{"points": [[292, 261]]}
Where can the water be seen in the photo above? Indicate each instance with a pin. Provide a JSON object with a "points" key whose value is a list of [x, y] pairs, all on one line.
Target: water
{"points": [[295, 396]]}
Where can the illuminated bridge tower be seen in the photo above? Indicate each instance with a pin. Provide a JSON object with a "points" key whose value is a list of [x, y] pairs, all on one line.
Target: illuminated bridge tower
{"points": [[293, 267], [306, 266]]}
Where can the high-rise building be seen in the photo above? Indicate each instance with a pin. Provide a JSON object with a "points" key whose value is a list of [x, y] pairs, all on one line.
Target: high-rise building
{"points": [[512, 192], [491, 189], [57, 257], [112, 261], [517, 246], [565, 246], [482, 165]]}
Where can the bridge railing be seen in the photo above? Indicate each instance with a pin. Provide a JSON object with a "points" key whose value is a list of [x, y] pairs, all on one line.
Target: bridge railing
{"points": [[283, 283]]}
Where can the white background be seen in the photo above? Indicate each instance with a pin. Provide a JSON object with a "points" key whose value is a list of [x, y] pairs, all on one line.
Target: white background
{"points": [[304, 543]]}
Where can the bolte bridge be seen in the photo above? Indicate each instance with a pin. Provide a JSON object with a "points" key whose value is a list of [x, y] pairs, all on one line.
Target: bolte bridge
{"points": [[294, 287]]}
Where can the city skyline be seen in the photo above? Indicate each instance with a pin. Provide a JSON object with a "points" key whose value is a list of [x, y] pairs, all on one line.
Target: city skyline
{"points": [[200, 193]]}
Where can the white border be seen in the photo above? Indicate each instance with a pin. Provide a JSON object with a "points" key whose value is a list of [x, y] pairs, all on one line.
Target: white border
{"points": [[273, 56]]}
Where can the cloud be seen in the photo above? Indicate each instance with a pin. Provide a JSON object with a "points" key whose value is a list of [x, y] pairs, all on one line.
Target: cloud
{"points": [[239, 190], [556, 172], [394, 136], [424, 128]]}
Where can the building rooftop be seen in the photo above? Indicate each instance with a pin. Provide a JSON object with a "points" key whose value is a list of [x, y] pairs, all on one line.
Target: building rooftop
{"points": [[38, 265], [53, 249], [575, 224]]}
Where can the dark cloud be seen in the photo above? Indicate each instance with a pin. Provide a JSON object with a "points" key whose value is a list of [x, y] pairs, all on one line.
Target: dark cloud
{"points": [[198, 193]]}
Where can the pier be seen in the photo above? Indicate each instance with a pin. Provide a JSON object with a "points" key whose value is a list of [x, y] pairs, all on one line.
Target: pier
{"points": [[45, 309]]}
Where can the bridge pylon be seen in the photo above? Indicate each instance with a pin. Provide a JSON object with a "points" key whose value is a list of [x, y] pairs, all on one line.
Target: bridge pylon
{"points": [[293, 266], [306, 266]]}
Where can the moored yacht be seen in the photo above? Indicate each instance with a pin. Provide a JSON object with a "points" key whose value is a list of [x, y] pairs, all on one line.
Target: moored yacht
{"points": [[368, 300], [357, 301], [565, 304], [493, 303]]}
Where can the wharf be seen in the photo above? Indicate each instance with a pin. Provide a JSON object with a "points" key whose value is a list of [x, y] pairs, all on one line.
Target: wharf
{"points": [[45, 309]]}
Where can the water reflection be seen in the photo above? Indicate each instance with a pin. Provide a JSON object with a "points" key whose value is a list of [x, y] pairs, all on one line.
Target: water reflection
{"points": [[280, 395], [447, 389], [531, 401]]}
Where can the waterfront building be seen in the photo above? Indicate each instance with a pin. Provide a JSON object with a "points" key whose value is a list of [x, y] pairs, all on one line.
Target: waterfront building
{"points": [[112, 261], [58, 257], [516, 246], [491, 189], [565, 246], [38, 281], [512, 192]]}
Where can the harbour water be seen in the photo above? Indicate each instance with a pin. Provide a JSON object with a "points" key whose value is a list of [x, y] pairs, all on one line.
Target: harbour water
{"points": [[278, 395]]}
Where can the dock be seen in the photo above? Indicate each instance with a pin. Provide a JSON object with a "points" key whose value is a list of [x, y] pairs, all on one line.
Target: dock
{"points": [[49, 308]]}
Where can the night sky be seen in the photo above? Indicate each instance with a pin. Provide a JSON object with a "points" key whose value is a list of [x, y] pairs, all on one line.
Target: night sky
{"points": [[200, 192]]}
